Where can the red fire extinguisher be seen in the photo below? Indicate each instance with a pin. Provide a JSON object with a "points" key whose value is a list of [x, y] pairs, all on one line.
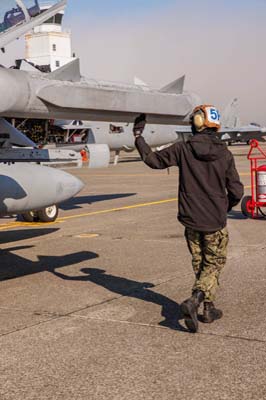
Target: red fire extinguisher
{"points": [[252, 205]]}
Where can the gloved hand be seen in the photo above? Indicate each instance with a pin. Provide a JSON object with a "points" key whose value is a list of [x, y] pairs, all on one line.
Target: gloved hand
{"points": [[139, 125]]}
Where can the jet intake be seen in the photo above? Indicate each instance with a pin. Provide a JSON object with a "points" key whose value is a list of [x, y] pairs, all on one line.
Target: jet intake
{"points": [[99, 155]]}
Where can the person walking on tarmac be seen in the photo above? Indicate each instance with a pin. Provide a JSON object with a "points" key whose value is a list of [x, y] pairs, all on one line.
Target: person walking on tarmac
{"points": [[209, 187]]}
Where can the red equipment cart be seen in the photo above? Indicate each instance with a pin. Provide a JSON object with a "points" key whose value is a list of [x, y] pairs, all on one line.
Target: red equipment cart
{"points": [[251, 206]]}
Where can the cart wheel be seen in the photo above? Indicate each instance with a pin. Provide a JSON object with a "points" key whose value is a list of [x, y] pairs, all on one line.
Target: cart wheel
{"points": [[48, 214], [246, 206], [30, 216]]}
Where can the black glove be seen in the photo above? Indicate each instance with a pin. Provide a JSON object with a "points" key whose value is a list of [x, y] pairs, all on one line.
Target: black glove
{"points": [[139, 125]]}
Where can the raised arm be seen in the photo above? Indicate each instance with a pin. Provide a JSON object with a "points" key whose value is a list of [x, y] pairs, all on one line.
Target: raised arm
{"points": [[162, 159]]}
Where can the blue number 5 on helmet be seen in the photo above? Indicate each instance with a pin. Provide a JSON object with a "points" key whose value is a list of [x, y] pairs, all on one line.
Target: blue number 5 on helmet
{"points": [[205, 116]]}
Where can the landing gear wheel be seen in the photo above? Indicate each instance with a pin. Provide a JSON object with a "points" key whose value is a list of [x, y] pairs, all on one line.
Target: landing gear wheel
{"points": [[48, 214], [30, 216], [246, 206]]}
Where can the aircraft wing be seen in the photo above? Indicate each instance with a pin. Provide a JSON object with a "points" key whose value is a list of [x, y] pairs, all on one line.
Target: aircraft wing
{"points": [[25, 22], [243, 133]]}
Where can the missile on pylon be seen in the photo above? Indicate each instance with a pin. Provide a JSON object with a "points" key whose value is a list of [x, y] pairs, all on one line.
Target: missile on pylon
{"points": [[63, 94]]}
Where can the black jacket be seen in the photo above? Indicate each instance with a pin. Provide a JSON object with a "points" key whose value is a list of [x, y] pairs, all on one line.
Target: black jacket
{"points": [[209, 184]]}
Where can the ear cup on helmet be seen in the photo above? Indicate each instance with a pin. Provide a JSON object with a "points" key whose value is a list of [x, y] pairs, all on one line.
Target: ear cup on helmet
{"points": [[205, 117], [199, 120]]}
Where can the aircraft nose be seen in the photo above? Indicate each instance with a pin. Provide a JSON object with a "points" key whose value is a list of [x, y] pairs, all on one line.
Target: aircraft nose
{"points": [[68, 187]]}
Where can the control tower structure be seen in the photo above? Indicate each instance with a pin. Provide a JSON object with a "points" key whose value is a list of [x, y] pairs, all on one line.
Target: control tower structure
{"points": [[49, 44]]}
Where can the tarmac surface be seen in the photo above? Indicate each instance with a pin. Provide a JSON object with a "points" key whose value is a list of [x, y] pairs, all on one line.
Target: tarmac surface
{"points": [[89, 305]]}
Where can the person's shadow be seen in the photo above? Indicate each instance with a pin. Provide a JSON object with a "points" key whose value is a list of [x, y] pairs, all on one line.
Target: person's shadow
{"points": [[127, 287]]}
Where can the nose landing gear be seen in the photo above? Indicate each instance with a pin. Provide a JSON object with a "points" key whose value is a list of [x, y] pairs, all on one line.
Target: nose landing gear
{"points": [[48, 214]]}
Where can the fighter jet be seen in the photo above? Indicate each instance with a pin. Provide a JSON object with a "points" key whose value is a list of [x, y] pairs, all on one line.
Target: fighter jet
{"points": [[64, 94], [233, 131], [231, 128], [26, 186]]}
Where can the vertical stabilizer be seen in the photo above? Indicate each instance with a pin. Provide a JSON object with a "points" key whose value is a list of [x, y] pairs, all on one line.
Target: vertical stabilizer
{"points": [[230, 117], [69, 72], [175, 87], [139, 82]]}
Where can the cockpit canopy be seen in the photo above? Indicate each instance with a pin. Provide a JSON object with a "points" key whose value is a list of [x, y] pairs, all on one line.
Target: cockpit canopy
{"points": [[14, 12], [17, 17]]}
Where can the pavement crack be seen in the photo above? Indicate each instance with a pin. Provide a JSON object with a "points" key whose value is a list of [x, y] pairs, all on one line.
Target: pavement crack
{"points": [[233, 337], [24, 328], [53, 316]]}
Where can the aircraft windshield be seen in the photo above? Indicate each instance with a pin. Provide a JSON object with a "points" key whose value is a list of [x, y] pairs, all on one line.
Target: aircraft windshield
{"points": [[14, 12], [32, 7]]}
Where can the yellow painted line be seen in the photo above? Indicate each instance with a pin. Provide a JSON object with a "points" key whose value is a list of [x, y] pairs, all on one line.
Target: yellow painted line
{"points": [[87, 236], [13, 225], [28, 224], [154, 203], [60, 220]]}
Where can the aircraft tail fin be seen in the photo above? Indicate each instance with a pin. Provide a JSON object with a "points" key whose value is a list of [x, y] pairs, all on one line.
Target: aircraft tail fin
{"points": [[230, 118], [175, 87], [139, 82], [69, 72], [26, 66]]}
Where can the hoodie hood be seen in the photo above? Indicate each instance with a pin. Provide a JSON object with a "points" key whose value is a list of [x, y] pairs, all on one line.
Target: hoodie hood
{"points": [[207, 147]]}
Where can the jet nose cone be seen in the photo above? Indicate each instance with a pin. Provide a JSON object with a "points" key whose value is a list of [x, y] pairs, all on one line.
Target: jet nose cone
{"points": [[68, 187]]}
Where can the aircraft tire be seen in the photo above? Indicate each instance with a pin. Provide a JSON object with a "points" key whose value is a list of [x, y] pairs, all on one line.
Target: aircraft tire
{"points": [[48, 214], [29, 216]]}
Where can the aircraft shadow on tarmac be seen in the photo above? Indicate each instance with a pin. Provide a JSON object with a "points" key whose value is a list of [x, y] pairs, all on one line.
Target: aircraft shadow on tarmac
{"points": [[17, 235], [16, 266], [129, 288], [77, 202]]}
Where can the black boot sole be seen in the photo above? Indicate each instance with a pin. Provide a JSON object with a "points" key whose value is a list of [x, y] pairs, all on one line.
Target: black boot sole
{"points": [[190, 316], [210, 319]]}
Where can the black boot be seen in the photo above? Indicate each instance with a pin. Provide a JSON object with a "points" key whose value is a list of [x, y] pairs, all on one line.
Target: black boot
{"points": [[189, 309], [210, 313]]}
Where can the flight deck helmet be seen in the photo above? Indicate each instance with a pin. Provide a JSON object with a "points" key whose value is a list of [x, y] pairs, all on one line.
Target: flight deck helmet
{"points": [[204, 117]]}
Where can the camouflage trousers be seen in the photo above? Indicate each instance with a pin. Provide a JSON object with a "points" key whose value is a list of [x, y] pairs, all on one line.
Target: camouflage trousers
{"points": [[209, 251]]}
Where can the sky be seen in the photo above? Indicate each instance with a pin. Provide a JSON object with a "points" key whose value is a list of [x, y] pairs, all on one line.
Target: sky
{"points": [[219, 45]]}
